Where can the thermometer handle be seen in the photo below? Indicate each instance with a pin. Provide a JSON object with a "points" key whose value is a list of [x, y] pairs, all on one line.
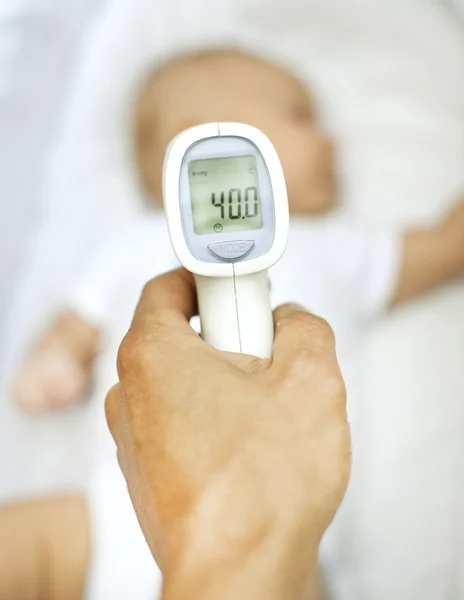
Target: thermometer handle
{"points": [[235, 313]]}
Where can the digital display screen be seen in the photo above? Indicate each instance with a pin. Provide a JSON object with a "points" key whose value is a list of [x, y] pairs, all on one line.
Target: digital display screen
{"points": [[225, 194]]}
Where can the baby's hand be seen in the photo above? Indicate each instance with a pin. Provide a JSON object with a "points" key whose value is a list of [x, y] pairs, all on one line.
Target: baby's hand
{"points": [[51, 379]]}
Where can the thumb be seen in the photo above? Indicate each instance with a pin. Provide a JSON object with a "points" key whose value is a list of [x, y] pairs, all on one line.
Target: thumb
{"points": [[286, 310]]}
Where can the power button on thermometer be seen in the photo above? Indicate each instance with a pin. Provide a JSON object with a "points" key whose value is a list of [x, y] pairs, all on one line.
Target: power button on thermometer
{"points": [[226, 205]]}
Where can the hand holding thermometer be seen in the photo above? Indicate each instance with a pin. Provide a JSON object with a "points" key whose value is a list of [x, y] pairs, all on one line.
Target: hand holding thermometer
{"points": [[226, 205]]}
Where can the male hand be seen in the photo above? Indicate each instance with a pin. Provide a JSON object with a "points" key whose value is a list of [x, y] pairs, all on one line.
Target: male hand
{"points": [[235, 465]]}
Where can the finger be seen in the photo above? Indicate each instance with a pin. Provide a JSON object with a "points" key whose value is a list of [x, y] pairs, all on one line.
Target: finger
{"points": [[120, 431], [113, 411], [170, 298], [118, 424], [160, 327], [297, 331], [160, 337]]}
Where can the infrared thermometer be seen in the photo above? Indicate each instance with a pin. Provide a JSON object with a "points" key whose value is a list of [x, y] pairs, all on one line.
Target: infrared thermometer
{"points": [[226, 205]]}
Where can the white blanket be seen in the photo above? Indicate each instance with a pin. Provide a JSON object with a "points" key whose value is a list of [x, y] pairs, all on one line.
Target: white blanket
{"points": [[390, 85]]}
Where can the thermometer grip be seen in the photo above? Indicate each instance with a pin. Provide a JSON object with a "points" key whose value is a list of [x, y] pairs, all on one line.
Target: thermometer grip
{"points": [[235, 313]]}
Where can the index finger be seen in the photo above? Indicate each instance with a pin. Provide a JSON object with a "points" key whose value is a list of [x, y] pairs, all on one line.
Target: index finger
{"points": [[160, 327], [170, 298]]}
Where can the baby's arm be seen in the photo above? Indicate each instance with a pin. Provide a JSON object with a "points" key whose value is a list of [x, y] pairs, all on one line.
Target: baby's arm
{"points": [[44, 549], [432, 256], [57, 372]]}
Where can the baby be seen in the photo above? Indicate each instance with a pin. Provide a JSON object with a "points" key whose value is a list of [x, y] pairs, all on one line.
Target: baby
{"points": [[341, 272], [230, 86]]}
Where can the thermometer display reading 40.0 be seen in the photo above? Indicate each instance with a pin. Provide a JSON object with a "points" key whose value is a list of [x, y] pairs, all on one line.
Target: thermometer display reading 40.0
{"points": [[225, 194], [226, 206]]}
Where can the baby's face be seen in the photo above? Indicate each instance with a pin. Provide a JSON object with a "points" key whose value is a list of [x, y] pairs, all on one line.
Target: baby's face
{"points": [[228, 86]]}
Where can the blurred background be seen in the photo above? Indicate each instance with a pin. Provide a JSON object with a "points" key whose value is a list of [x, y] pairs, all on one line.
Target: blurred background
{"points": [[389, 78]]}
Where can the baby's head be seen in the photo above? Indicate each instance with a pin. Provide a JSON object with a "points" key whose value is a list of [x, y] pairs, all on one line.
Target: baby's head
{"points": [[232, 86]]}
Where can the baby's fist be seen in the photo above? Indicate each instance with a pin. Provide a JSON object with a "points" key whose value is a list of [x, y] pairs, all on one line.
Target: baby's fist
{"points": [[51, 379]]}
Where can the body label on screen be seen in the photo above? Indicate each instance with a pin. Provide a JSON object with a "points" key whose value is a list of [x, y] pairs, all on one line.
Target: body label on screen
{"points": [[225, 194]]}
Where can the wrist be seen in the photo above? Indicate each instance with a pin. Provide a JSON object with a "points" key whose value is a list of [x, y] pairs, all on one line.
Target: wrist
{"points": [[270, 562]]}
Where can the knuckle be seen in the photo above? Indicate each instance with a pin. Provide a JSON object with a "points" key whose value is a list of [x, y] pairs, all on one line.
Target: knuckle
{"points": [[126, 356], [148, 288], [331, 382], [334, 382], [320, 329], [132, 353], [112, 406], [140, 346], [295, 319], [308, 325], [312, 373]]}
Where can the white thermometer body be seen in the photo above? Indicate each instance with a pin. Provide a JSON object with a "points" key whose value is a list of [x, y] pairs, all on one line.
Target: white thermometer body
{"points": [[226, 205]]}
